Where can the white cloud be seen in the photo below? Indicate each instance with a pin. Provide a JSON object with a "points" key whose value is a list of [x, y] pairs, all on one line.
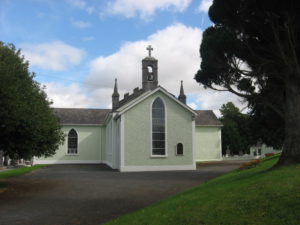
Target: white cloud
{"points": [[204, 5], [81, 24], [55, 55], [193, 105], [145, 8], [88, 38], [82, 4], [210, 99], [175, 47], [69, 96], [75, 95], [78, 3]]}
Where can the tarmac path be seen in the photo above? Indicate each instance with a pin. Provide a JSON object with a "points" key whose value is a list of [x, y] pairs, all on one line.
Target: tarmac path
{"points": [[93, 194]]}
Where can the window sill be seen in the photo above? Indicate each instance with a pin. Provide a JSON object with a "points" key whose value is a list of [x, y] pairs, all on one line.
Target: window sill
{"points": [[72, 155], [158, 156]]}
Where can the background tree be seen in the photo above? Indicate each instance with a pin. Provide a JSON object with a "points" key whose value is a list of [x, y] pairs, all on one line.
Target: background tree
{"points": [[235, 130], [253, 51], [28, 124]]}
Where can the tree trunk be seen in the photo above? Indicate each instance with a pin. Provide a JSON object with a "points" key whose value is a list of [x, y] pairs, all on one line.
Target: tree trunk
{"points": [[5, 162], [291, 146], [1, 158]]}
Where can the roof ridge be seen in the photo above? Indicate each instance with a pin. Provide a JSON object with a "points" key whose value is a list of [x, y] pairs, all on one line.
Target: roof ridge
{"points": [[80, 108]]}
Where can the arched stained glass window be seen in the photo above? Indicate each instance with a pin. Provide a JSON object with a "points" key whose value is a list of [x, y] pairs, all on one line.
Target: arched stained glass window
{"points": [[72, 142], [158, 128]]}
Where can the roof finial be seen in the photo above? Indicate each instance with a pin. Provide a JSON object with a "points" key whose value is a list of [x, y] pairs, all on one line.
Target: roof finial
{"points": [[116, 94], [182, 96], [181, 88], [149, 50]]}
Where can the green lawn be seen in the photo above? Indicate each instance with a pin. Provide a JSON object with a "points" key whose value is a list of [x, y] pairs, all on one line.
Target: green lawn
{"points": [[254, 196], [19, 171], [16, 172]]}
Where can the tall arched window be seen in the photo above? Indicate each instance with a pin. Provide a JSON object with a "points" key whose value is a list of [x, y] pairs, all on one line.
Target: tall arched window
{"points": [[72, 142], [158, 128]]}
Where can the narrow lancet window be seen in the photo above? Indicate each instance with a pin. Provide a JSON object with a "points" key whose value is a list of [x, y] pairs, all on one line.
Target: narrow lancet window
{"points": [[72, 142], [179, 149], [158, 128]]}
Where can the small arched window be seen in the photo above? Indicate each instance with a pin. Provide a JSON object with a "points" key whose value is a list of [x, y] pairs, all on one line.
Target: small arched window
{"points": [[72, 142], [150, 69], [158, 128], [179, 149]]}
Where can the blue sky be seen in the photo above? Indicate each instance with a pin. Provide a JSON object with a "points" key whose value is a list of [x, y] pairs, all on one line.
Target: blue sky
{"points": [[77, 47]]}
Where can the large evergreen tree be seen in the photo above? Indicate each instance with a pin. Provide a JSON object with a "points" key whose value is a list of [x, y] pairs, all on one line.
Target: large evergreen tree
{"points": [[28, 124], [252, 50]]}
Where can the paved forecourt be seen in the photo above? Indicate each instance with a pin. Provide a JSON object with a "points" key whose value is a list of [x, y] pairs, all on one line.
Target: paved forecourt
{"points": [[93, 194]]}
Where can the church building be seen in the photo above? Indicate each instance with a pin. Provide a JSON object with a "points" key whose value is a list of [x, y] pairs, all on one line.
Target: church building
{"points": [[148, 130]]}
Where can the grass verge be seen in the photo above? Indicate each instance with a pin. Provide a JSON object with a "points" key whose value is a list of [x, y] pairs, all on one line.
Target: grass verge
{"points": [[17, 172], [256, 196]]}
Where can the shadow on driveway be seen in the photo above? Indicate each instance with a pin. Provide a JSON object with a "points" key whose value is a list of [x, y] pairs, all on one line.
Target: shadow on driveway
{"points": [[93, 194]]}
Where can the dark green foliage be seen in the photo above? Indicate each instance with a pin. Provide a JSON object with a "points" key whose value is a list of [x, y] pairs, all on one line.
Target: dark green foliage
{"points": [[235, 130], [28, 124], [253, 51], [266, 125]]}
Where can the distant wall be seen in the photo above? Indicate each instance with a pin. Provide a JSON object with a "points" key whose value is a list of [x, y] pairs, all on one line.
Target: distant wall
{"points": [[108, 143], [112, 144], [264, 149], [208, 143], [91, 143]]}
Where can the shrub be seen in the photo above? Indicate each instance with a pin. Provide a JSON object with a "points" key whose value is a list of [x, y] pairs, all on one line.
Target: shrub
{"points": [[251, 164], [269, 154]]}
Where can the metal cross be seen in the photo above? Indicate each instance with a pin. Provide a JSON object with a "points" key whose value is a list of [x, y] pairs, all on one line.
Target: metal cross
{"points": [[149, 50]]}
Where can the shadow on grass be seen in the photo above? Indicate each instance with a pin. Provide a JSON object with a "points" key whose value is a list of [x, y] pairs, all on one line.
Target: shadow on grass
{"points": [[239, 175], [257, 171], [252, 175]]}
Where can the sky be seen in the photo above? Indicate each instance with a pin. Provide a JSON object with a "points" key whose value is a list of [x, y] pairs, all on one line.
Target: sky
{"points": [[78, 47]]}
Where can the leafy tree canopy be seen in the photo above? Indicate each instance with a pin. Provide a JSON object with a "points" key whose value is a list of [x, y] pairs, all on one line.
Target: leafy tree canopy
{"points": [[252, 50], [28, 124], [235, 131]]}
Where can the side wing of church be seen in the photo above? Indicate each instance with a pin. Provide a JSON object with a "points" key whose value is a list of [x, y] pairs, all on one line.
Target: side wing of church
{"points": [[148, 130]]}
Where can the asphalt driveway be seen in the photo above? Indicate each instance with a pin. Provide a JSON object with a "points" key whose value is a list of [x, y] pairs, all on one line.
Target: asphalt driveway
{"points": [[92, 194]]}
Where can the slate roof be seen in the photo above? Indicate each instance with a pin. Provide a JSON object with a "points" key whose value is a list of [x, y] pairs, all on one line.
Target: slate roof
{"points": [[79, 116], [207, 118]]}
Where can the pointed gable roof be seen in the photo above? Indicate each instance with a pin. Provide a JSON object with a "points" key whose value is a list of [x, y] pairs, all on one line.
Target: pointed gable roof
{"points": [[136, 93], [144, 95]]}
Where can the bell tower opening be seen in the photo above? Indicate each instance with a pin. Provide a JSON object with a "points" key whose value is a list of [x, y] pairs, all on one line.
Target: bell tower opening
{"points": [[149, 68]]}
